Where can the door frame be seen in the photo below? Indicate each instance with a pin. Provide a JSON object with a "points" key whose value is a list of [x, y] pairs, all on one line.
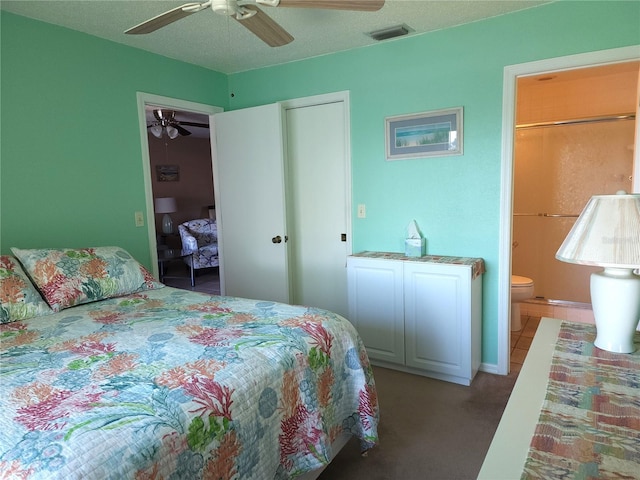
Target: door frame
{"points": [[144, 99], [511, 74]]}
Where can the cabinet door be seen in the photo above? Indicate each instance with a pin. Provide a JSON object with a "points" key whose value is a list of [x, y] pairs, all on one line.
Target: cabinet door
{"points": [[437, 318], [376, 306], [249, 181]]}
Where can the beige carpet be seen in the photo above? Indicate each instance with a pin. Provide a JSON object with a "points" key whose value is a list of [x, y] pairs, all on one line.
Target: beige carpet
{"points": [[429, 429]]}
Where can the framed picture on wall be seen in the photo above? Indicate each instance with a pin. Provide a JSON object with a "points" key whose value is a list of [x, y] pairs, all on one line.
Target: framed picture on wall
{"points": [[428, 134], [167, 173]]}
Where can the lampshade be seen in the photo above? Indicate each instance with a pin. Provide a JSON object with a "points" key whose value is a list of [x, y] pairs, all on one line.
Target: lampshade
{"points": [[165, 205], [156, 130], [607, 233], [172, 132]]}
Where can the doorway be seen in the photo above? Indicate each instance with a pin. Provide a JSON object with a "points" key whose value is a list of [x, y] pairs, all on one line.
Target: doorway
{"points": [[511, 74], [567, 149], [146, 100]]}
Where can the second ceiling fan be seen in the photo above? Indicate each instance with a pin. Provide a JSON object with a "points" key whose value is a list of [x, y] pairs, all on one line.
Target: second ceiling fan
{"points": [[166, 122], [250, 16]]}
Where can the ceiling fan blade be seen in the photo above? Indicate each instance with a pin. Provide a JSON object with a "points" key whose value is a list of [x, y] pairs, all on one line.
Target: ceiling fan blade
{"points": [[181, 131], [359, 5], [165, 19], [266, 29], [194, 124]]}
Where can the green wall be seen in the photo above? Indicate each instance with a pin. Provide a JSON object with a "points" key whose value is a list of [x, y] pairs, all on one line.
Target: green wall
{"points": [[71, 166], [75, 181], [455, 200]]}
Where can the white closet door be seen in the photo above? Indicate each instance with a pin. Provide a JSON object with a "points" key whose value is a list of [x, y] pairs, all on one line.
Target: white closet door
{"points": [[318, 203], [249, 178]]}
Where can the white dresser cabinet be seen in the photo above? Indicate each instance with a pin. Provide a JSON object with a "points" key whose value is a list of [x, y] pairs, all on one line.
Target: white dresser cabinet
{"points": [[420, 315]]}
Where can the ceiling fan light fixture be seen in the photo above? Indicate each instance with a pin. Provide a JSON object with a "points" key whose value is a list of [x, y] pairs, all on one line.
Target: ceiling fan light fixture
{"points": [[157, 131], [172, 132], [224, 7], [390, 32]]}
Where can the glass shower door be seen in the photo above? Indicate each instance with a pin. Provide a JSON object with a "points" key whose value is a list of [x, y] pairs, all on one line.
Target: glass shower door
{"points": [[558, 168]]}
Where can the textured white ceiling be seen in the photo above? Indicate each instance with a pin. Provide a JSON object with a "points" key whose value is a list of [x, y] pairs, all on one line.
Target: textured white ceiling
{"points": [[220, 43]]}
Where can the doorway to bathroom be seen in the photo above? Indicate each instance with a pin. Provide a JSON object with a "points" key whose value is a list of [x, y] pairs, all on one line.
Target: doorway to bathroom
{"points": [[574, 138], [511, 75]]}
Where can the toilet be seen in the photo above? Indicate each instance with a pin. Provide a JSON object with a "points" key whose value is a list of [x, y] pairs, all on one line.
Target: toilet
{"points": [[521, 290]]}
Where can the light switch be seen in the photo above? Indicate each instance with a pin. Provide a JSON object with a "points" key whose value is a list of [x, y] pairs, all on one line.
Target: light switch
{"points": [[362, 211], [139, 219]]}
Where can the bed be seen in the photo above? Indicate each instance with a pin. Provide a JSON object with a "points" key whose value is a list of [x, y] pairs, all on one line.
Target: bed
{"points": [[108, 374], [573, 412]]}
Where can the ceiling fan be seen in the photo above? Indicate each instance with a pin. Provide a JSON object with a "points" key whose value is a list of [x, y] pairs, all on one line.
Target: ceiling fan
{"points": [[250, 16], [166, 122]]}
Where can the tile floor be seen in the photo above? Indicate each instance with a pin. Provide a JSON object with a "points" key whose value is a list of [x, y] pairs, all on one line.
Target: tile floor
{"points": [[532, 312], [521, 341]]}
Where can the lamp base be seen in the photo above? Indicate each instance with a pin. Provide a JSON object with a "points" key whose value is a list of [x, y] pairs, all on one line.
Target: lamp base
{"points": [[167, 224], [615, 298]]}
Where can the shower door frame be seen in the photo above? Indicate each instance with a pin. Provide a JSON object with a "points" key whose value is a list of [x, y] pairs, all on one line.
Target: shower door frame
{"points": [[511, 74]]}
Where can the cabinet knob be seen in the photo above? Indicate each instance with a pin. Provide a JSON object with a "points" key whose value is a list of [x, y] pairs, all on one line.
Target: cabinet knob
{"points": [[277, 239]]}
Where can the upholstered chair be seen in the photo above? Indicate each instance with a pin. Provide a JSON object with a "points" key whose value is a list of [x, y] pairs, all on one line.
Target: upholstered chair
{"points": [[200, 238]]}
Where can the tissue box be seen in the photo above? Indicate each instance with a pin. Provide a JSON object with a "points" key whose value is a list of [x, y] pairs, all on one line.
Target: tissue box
{"points": [[415, 247]]}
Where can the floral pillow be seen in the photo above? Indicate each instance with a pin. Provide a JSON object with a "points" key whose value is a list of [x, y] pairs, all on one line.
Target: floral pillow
{"points": [[19, 299], [68, 277]]}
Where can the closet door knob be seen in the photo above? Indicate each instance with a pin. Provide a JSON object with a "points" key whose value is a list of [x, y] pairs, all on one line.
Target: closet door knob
{"points": [[277, 239]]}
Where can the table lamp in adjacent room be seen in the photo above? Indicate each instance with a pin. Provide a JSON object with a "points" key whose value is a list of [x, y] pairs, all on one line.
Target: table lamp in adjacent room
{"points": [[607, 234], [166, 205]]}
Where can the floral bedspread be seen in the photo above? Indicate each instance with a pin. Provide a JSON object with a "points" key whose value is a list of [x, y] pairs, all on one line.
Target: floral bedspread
{"points": [[174, 384]]}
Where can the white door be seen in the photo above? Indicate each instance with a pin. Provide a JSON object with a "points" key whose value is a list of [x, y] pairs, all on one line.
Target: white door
{"points": [[250, 203], [318, 205]]}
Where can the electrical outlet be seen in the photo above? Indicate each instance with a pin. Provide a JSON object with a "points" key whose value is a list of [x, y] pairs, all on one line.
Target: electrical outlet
{"points": [[362, 211], [139, 219]]}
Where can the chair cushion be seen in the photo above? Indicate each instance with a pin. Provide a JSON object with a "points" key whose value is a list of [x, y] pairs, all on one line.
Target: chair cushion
{"points": [[204, 230], [208, 250]]}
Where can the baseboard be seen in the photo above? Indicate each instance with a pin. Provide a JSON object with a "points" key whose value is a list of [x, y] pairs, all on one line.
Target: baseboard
{"points": [[489, 368]]}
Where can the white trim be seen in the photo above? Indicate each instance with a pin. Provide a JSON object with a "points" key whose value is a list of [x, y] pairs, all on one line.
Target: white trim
{"points": [[635, 186], [511, 73], [489, 368], [176, 104]]}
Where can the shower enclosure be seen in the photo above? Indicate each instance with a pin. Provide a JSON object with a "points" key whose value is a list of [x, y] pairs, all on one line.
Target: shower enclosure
{"points": [[558, 167]]}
